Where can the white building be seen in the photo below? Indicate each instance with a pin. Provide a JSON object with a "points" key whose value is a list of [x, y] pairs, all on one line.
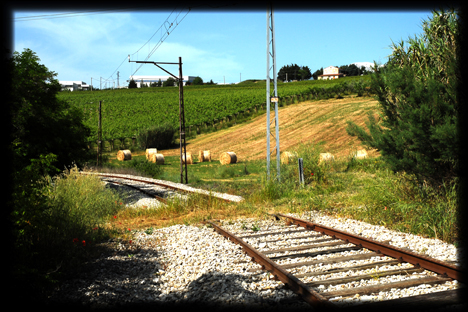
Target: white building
{"points": [[74, 85], [331, 72], [150, 79]]}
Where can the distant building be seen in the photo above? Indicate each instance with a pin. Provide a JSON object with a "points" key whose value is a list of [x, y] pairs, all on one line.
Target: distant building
{"points": [[331, 72], [147, 80], [74, 85]]}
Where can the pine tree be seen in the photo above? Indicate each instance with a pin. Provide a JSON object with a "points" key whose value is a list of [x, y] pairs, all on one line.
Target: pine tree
{"points": [[417, 128]]}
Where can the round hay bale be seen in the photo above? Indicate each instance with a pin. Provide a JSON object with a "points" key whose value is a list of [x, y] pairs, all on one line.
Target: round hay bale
{"points": [[124, 155], [157, 158], [288, 157], [204, 156], [361, 154], [150, 151], [189, 159], [201, 156], [228, 158], [207, 156]]}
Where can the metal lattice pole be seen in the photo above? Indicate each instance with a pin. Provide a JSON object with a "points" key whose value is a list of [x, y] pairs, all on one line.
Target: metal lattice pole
{"points": [[269, 97]]}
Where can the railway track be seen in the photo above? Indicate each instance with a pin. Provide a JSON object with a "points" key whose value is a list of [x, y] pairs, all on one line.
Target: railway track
{"points": [[160, 189], [307, 257]]}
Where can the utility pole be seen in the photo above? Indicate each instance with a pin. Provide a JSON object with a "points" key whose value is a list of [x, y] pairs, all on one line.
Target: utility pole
{"points": [[274, 98], [99, 146], [118, 85], [91, 83], [181, 114]]}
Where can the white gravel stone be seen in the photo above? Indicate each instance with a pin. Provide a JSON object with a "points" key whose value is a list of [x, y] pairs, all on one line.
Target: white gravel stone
{"points": [[194, 264]]}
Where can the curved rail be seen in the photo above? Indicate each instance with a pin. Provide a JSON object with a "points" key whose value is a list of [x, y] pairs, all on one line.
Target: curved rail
{"points": [[175, 186]]}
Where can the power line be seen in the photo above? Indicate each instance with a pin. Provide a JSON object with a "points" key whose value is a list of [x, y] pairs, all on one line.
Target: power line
{"points": [[166, 21], [65, 15], [161, 40]]}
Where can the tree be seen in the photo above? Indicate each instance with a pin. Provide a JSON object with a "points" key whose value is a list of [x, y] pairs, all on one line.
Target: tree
{"points": [[170, 82], [416, 90], [294, 72], [317, 73], [41, 123], [46, 134], [132, 84], [304, 73], [291, 71], [197, 81]]}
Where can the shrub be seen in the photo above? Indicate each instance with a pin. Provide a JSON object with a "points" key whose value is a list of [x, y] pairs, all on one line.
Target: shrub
{"points": [[64, 219], [156, 137], [146, 167]]}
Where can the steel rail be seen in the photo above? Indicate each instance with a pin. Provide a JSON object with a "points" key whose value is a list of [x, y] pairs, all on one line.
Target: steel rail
{"points": [[402, 255], [309, 295], [161, 199], [162, 184]]}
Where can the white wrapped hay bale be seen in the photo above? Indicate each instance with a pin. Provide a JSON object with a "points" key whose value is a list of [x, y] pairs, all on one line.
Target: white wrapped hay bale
{"points": [[326, 157], [189, 160], [228, 158], [157, 158], [204, 156], [124, 155], [150, 151]]}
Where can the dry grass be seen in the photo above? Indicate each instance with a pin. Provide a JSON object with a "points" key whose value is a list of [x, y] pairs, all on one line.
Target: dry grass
{"points": [[312, 121]]}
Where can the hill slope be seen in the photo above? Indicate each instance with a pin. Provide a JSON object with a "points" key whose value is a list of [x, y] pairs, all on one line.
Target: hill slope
{"points": [[306, 122]]}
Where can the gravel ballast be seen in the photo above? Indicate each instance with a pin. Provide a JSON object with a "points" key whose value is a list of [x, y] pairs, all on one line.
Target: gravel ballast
{"points": [[186, 266]]}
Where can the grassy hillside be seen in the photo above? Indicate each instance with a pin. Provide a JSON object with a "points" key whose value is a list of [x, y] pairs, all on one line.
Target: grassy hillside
{"points": [[126, 112]]}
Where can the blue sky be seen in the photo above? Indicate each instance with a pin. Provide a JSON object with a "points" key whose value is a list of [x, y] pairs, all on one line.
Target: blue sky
{"points": [[223, 46]]}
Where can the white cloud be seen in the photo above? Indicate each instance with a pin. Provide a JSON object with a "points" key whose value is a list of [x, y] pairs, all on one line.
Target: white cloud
{"points": [[196, 62]]}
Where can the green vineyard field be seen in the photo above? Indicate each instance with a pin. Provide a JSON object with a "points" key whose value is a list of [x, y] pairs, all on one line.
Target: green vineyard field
{"points": [[126, 112]]}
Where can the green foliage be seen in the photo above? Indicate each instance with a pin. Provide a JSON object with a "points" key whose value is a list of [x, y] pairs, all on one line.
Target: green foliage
{"points": [[314, 173], [41, 123], [353, 70], [146, 167], [132, 84], [46, 134], [417, 128], [197, 81], [159, 137], [294, 72], [317, 73], [170, 82], [57, 226]]}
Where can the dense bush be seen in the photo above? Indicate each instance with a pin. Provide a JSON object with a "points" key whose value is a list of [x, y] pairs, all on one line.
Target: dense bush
{"points": [[59, 232], [159, 137], [146, 167]]}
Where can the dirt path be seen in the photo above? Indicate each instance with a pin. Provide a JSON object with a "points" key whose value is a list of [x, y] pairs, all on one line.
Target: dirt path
{"points": [[306, 122]]}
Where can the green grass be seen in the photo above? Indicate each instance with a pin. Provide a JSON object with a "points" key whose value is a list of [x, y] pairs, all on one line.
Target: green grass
{"points": [[364, 189], [65, 232]]}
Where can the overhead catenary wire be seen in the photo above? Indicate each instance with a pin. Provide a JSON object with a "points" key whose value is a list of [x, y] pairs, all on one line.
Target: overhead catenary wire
{"points": [[70, 14], [163, 37]]}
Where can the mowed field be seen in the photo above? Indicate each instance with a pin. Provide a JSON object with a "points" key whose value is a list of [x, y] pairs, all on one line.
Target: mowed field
{"points": [[308, 122]]}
